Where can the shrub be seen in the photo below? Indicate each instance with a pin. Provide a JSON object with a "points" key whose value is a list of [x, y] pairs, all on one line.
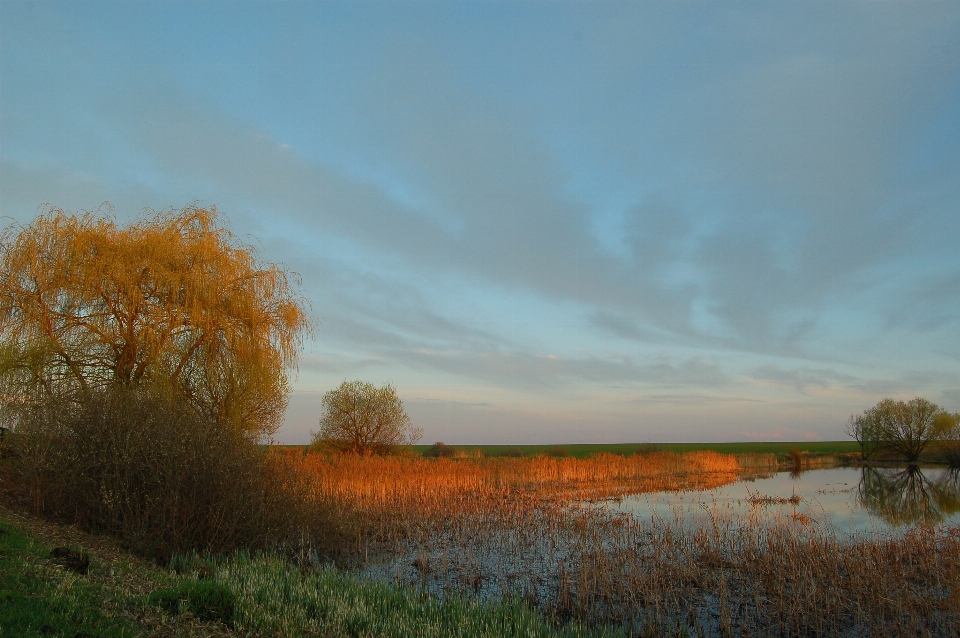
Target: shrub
{"points": [[557, 452], [441, 450], [145, 466]]}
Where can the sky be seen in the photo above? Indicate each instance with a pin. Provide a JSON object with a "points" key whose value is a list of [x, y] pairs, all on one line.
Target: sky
{"points": [[543, 222]]}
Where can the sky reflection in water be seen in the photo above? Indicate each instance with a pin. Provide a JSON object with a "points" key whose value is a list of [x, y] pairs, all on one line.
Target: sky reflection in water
{"points": [[852, 499]]}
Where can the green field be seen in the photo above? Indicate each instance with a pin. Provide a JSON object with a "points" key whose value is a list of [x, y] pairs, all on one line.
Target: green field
{"points": [[585, 450]]}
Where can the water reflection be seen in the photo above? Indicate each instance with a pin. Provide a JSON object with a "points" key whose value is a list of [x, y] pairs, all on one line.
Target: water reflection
{"points": [[905, 496]]}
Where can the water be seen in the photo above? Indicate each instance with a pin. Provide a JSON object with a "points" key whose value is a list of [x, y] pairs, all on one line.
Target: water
{"points": [[861, 500]]}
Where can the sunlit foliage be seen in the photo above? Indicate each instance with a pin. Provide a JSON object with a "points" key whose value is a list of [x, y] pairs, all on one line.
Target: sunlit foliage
{"points": [[174, 299], [361, 418], [903, 427]]}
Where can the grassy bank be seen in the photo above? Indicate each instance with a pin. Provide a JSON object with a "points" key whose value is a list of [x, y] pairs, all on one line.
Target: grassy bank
{"points": [[120, 595]]}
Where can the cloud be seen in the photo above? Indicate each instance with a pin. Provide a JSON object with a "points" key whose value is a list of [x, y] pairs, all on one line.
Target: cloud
{"points": [[803, 378], [779, 182]]}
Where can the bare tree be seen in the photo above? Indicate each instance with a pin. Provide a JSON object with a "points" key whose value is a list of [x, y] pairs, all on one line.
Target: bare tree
{"points": [[361, 418]]}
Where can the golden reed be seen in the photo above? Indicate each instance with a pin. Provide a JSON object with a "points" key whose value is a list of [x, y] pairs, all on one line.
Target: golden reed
{"points": [[372, 481]]}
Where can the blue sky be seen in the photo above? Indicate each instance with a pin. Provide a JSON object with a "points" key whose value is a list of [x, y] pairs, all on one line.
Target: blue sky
{"points": [[543, 222]]}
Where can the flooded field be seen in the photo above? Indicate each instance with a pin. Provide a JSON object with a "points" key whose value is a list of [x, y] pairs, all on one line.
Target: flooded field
{"points": [[775, 555], [861, 500], [664, 544]]}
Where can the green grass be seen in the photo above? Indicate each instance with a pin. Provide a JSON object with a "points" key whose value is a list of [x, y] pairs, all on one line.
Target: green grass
{"points": [[244, 595], [275, 598], [40, 599], [584, 450]]}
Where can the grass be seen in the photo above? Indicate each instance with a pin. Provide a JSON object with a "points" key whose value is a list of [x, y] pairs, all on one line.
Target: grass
{"points": [[276, 598], [243, 595], [40, 598], [586, 450]]}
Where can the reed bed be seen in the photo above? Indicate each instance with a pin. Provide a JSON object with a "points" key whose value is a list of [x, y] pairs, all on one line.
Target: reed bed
{"points": [[383, 480]]}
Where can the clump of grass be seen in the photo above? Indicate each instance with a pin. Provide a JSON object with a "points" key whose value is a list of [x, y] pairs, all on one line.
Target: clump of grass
{"points": [[274, 598], [796, 458], [207, 600], [760, 499]]}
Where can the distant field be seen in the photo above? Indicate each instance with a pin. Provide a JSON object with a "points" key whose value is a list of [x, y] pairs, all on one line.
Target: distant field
{"points": [[585, 450]]}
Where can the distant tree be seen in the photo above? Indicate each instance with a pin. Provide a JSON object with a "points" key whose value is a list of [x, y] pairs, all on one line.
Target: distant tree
{"points": [[361, 418], [902, 427], [867, 428], [173, 299], [950, 426]]}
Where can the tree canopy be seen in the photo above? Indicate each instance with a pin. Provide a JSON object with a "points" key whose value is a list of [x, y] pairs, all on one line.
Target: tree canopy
{"points": [[173, 299], [903, 427], [361, 418]]}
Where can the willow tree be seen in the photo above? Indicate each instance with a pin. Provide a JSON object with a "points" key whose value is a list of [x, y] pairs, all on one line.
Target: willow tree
{"points": [[173, 299]]}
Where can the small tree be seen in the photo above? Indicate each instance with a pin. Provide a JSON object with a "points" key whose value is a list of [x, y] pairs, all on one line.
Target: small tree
{"points": [[902, 427], [361, 418]]}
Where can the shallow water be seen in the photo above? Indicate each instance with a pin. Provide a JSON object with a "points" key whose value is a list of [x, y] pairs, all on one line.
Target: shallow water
{"points": [[863, 500]]}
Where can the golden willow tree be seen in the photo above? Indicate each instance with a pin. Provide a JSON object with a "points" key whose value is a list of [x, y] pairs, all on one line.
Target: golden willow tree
{"points": [[173, 299]]}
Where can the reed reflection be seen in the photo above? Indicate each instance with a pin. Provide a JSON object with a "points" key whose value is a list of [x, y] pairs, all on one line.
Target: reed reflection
{"points": [[906, 496]]}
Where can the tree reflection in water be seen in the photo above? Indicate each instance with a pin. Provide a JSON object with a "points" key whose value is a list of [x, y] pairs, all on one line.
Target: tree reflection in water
{"points": [[904, 496]]}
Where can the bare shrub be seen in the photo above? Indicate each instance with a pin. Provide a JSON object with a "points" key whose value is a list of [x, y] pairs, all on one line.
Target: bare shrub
{"points": [[143, 465]]}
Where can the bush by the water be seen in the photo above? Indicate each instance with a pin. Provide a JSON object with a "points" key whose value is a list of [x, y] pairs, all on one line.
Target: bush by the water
{"points": [[145, 466]]}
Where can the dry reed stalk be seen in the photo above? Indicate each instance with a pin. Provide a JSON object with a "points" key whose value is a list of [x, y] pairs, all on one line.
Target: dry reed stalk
{"points": [[383, 480]]}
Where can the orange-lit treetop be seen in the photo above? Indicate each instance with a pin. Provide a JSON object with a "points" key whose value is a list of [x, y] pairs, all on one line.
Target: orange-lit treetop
{"points": [[172, 299]]}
